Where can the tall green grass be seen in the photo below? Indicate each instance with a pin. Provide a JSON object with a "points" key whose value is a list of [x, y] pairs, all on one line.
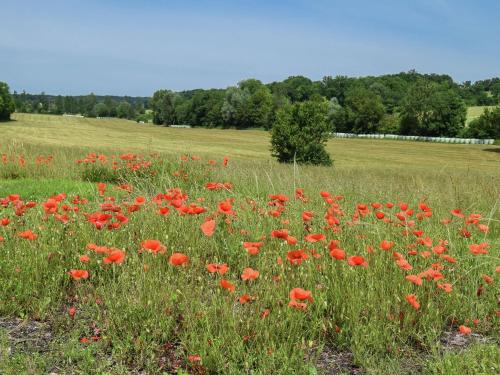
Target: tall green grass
{"points": [[148, 315]]}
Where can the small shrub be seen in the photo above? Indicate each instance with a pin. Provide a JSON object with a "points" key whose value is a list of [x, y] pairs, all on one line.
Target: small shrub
{"points": [[300, 133], [99, 173], [12, 172]]}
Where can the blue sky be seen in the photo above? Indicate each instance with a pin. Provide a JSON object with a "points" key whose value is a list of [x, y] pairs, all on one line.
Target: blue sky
{"points": [[134, 47]]}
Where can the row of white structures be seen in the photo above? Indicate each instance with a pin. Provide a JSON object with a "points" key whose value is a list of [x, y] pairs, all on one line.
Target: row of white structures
{"points": [[416, 138]]}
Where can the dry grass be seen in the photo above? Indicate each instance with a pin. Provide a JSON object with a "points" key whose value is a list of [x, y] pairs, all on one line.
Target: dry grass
{"points": [[57, 131]]}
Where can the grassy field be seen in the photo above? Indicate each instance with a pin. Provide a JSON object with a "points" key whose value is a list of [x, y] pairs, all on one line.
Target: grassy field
{"points": [[359, 238], [55, 132]]}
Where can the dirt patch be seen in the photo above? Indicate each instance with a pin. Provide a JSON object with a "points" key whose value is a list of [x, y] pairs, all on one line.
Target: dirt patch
{"points": [[26, 335], [331, 361], [453, 340]]}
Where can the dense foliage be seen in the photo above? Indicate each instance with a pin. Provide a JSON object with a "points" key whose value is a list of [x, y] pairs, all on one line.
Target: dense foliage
{"points": [[356, 105], [403, 103], [432, 110], [6, 102], [486, 126], [300, 133], [362, 113]]}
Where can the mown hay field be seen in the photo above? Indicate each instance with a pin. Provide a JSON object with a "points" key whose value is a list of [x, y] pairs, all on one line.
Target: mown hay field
{"points": [[129, 248]]}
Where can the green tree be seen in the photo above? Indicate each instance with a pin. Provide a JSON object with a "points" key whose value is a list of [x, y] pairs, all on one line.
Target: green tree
{"points": [[87, 105], [433, 110], [362, 112], [485, 126], [125, 110], [183, 109], [70, 105], [298, 88], [366, 110], [163, 107], [248, 105], [207, 108], [6, 102], [300, 133], [336, 87], [259, 105], [234, 109], [101, 110], [111, 106]]}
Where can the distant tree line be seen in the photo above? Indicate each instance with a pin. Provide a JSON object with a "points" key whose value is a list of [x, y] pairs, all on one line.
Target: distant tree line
{"points": [[132, 108], [407, 103]]}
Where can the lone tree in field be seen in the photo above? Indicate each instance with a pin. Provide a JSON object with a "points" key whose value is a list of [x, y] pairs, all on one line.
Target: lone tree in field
{"points": [[6, 102], [300, 131]]}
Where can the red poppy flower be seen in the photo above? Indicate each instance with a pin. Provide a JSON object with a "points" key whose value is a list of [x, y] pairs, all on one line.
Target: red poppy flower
{"points": [[297, 305], [249, 274], [464, 330], [281, 233], [193, 358], [446, 287], [412, 300], [479, 249], [163, 210], [226, 207], [252, 247], [357, 260], [487, 279], [307, 216], [403, 264], [483, 228], [178, 259], [101, 187], [386, 245], [153, 246], [448, 258], [28, 235], [296, 257], [300, 294], [115, 256], [79, 274], [338, 254], [225, 284], [50, 206], [457, 212], [208, 228], [415, 279], [315, 237], [244, 299], [221, 269]]}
